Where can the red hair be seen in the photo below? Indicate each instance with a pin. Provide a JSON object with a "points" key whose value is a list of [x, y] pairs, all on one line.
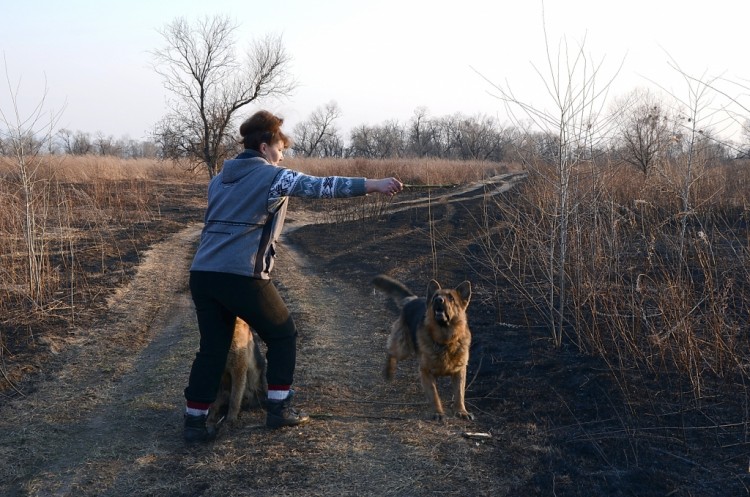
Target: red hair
{"points": [[263, 127]]}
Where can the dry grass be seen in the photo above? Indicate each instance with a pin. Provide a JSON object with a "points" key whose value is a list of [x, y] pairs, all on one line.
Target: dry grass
{"points": [[68, 227], [95, 168], [410, 171], [647, 284], [79, 202], [640, 295], [415, 173], [77, 234]]}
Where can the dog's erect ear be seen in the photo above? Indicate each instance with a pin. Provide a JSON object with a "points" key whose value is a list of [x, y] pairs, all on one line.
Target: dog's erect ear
{"points": [[464, 291], [432, 287]]}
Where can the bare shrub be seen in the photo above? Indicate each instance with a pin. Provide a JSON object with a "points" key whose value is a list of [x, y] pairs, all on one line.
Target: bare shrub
{"points": [[81, 205], [647, 271], [646, 289]]}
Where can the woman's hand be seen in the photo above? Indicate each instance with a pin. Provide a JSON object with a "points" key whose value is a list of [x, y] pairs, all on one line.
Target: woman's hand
{"points": [[386, 186]]}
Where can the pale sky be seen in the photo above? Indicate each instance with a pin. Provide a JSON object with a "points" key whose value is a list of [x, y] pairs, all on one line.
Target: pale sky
{"points": [[379, 60]]}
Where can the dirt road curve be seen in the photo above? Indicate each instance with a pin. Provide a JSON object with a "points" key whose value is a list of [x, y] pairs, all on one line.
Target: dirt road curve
{"points": [[108, 422]]}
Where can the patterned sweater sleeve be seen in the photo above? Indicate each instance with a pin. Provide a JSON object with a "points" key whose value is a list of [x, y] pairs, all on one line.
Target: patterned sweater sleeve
{"points": [[291, 183]]}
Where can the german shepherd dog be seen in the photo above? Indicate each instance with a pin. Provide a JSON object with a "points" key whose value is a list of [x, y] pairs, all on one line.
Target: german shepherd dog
{"points": [[243, 384], [436, 331]]}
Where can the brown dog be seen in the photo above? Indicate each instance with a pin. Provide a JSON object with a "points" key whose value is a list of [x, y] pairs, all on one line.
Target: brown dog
{"points": [[436, 331], [244, 381]]}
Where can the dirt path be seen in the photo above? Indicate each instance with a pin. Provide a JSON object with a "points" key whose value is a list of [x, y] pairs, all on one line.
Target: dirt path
{"points": [[103, 408], [108, 422]]}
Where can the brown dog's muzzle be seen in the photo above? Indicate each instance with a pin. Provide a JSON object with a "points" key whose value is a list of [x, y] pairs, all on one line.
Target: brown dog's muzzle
{"points": [[440, 310]]}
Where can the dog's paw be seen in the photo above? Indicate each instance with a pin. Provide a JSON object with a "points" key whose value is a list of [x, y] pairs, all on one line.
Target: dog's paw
{"points": [[465, 415], [439, 417]]}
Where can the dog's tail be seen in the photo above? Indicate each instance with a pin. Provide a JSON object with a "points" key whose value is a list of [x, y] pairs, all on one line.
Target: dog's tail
{"points": [[394, 288]]}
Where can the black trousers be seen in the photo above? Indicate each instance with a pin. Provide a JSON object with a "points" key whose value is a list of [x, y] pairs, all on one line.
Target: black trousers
{"points": [[221, 297]]}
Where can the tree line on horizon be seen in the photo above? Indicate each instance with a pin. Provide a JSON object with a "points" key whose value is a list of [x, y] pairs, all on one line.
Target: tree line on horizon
{"points": [[646, 133], [211, 85]]}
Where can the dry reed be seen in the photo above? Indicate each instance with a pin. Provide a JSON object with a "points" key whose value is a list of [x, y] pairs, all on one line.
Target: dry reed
{"points": [[410, 171], [80, 205], [92, 168], [643, 291]]}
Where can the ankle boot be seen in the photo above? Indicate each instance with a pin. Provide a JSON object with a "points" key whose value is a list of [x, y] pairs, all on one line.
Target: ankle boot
{"points": [[196, 430], [280, 413]]}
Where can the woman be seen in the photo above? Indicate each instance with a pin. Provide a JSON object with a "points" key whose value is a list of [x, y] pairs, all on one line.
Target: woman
{"points": [[230, 274]]}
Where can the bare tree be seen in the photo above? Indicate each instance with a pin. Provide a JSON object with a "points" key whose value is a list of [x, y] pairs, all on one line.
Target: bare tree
{"points": [[442, 136], [572, 131], [362, 142], [434, 137], [318, 135], [65, 136], [645, 129], [479, 138], [745, 146], [82, 143], [693, 138], [134, 149], [390, 140], [334, 146], [107, 145], [419, 136], [26, 137], [209, 83], [75, 143]]}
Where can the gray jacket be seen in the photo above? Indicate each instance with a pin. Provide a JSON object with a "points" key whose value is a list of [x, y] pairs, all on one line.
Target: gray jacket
{"points": [[247, 204]]}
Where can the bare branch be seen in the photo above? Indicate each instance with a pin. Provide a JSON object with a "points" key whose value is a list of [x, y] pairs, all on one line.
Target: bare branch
{"points": [[209, 84]]}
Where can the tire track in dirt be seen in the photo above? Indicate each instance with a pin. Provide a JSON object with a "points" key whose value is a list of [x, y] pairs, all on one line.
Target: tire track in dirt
{"points": [[482, 189], [485, 188]]}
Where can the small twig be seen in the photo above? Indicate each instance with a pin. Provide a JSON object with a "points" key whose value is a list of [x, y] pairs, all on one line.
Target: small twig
{"points": [[352, 401], [481, 359], [325, 415], [477, 435], [683, 459], [364, 416], [12, 385], [408, 185]]}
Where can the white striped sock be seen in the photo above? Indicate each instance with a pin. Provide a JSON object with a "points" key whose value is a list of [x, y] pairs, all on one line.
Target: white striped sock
{"points": [[196, 412], [278, 394]]}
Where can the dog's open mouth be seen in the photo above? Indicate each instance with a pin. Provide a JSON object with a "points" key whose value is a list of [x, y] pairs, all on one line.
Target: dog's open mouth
{"points": [[440, 312]]}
